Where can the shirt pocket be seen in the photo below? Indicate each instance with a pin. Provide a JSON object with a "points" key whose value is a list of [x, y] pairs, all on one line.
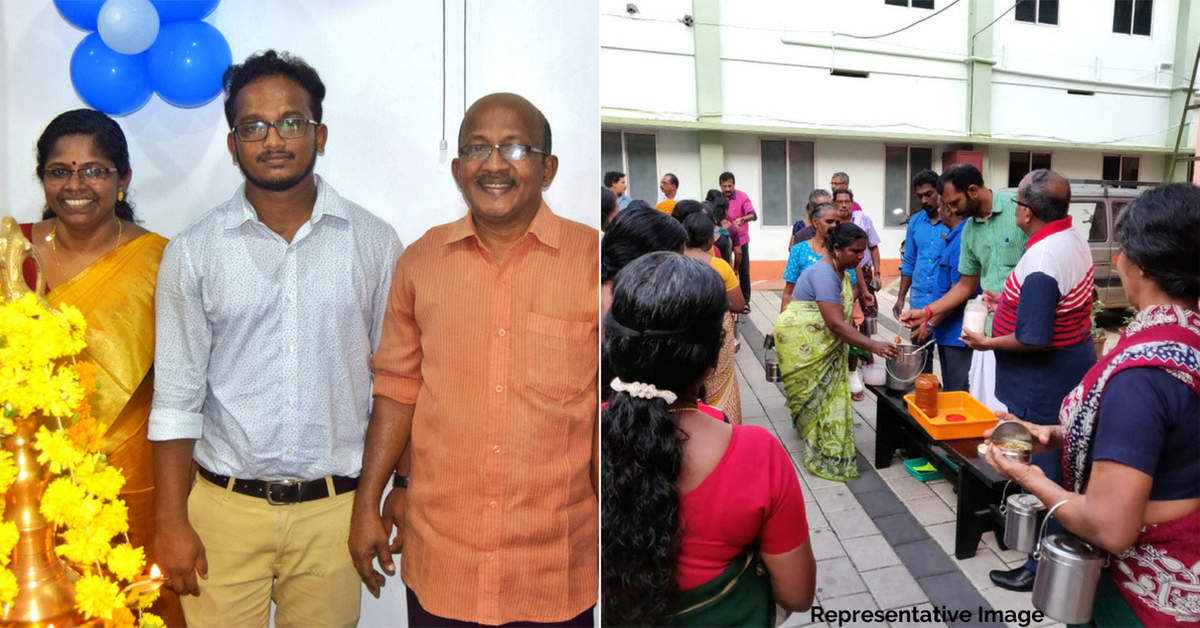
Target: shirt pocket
{"points": [[561, 356], [1010, 252]]}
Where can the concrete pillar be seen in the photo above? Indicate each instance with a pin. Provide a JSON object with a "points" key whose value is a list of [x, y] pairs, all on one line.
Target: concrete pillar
{"points": [[710, 99], [980, 59]]}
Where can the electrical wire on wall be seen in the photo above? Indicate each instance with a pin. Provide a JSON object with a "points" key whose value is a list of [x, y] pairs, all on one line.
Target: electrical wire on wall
{"points": [[442, 145]]}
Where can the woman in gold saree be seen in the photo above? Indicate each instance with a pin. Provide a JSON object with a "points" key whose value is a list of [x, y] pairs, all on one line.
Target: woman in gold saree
{"points": [[97, 259]]}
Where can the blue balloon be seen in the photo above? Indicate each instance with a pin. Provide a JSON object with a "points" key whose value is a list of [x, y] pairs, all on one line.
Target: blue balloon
{"points": [[128, 26], [109, 81], [187, 61], [181, 10], [80, 13]]}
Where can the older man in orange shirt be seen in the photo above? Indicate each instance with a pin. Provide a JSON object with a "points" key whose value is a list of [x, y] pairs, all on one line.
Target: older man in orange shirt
{"points": [[487, 370]]}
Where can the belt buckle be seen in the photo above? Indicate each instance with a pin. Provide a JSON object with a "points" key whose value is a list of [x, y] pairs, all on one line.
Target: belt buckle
{"points": [[282, 483]]}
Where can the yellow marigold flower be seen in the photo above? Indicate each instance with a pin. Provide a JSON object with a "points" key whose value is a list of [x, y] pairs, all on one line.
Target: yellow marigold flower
{"points": [[150, 620], [126, 562], [60, 500], [112, 519], [147, 599], [8, 540], [67, 393], [105, 484], [97, 597], [57, 451], [8, 470], [83, 545], [8, 586]]}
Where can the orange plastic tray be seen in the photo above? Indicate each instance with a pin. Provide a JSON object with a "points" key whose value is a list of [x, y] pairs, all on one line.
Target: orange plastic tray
{"points": [[979, 418]]}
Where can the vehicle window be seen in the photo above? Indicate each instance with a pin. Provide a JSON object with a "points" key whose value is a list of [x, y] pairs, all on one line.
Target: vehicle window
{"points": [[1090, 220], [1117, 208]]}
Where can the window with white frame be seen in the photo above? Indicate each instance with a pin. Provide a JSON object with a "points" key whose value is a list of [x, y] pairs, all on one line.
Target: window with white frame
{"points": [[916, 4], [788, 177], [1121, 168], [1021, 163], [901, 164], [636, 155], [1037, 11], [1132, 17]]}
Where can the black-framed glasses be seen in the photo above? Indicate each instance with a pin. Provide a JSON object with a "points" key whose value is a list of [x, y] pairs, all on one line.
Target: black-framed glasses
{"points": [[287, 128], [91, 174], [510, 152], [1025, 205]]}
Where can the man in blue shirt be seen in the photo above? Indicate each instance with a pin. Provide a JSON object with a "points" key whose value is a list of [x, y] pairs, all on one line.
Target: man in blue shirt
{"points": [[616, 182], [923, 245], [953, 354]]}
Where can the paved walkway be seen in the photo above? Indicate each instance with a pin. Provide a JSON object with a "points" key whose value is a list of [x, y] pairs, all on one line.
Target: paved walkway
{"points": [[884, 541]]}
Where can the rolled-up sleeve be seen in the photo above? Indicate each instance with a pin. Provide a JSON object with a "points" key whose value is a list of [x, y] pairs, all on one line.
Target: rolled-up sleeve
{"points": [[183, 339], [397, 362]]}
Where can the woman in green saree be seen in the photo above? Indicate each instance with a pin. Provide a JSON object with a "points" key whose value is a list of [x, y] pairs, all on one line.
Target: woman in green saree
{"points": [[813, 337]]}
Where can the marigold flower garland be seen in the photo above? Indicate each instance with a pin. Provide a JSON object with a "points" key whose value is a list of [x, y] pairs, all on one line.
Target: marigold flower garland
{"points": [[39, 374]]}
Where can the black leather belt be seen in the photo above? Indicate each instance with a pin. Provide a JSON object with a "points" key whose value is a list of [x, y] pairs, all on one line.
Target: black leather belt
{"points": [[280, 492]]}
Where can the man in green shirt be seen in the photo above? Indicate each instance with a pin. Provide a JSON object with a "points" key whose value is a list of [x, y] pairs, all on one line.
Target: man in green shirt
{"points": [[992, 245]]}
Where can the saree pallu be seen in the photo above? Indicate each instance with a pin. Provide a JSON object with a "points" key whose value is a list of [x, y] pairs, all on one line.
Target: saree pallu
{"points": [[1159, 576], [116, 297], [721, 387], [813, 364], [740, 596]]}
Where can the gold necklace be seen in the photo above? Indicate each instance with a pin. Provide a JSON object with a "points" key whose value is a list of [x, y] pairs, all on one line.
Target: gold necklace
{"points": [[678, 410], [54, 249]]}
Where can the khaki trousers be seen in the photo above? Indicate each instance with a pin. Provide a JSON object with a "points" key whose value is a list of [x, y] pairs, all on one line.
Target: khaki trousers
{"points": [[295, 555]]}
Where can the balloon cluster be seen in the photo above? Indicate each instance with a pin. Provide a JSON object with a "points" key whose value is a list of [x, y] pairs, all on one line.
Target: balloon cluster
{"points": [[140, 47]]}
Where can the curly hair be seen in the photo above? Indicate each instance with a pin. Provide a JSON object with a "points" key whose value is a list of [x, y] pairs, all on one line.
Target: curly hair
{"points": [[271, 63], [106, 134], [665, 329]]}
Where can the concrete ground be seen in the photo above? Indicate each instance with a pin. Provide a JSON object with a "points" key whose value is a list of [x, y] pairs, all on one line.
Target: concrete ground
{"points": [[884, 541]]}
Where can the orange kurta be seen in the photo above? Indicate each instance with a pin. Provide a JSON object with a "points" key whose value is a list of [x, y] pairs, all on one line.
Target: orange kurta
{"points": [[501, 362]]}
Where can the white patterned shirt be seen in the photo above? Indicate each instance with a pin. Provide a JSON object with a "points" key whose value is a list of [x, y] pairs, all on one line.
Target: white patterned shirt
{"points": [[264, 346]]}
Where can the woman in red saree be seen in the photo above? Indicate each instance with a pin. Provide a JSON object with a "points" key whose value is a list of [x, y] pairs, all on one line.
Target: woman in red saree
{"points": [[1130, 431], [97, 259]]}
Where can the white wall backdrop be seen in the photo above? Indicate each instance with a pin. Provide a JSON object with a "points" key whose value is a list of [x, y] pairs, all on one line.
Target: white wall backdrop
{"points": [[381, 61]]}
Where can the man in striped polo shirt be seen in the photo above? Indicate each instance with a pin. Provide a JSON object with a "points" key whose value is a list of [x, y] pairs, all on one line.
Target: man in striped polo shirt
{"points": [[1042, 329]]}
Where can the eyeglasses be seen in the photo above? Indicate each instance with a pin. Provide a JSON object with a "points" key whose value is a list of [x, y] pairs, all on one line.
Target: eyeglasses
{"points": [[90, 174], [1025, 205], [510, 152], [287, 128]]}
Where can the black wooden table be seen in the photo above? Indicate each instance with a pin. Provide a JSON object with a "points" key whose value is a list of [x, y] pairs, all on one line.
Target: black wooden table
{"points": [[979, 487]]}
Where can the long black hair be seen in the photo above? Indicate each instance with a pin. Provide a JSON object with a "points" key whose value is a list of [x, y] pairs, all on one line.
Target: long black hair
{"points": [[664, 329], [106, 134]]}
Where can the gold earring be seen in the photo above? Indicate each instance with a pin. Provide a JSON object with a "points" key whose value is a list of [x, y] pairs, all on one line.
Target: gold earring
{"points": [[120, 196]]}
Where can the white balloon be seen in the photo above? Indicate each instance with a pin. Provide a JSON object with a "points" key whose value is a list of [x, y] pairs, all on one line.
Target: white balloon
{"points": [[128, 26]]}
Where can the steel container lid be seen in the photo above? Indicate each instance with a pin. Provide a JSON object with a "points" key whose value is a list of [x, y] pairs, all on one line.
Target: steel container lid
{"points": [[1071, 550], [1025, 504]]}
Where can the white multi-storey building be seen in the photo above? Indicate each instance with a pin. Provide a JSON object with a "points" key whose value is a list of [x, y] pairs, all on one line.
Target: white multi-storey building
{"points": [[785, 93]]}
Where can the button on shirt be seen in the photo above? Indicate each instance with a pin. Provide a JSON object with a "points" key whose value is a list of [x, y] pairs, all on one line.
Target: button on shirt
{"points": [[501, 362], [924, 242], [263, 346]]}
